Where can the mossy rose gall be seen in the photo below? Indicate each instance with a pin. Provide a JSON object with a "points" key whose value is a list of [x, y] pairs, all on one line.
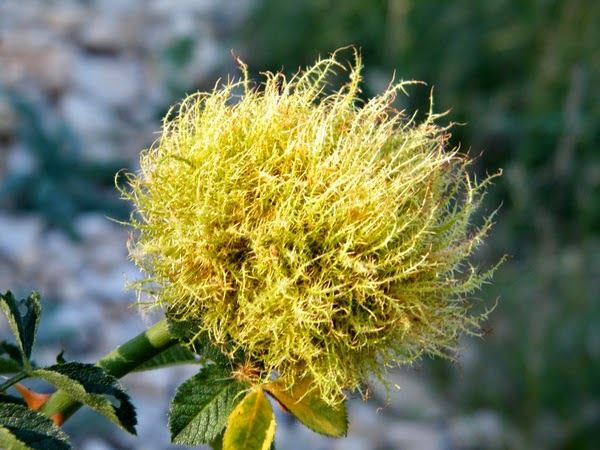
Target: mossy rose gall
{"points": [[316, 234]]}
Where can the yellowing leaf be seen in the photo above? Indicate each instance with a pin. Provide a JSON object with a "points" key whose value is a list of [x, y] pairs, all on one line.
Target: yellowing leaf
{"points": [[251, 425], [310, 409]]}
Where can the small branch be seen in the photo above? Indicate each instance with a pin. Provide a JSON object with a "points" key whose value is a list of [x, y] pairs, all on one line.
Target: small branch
{"points": [[14, 380], [118, 363]]}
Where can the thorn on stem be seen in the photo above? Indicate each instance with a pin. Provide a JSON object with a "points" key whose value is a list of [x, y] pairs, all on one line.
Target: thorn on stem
{"points": [[34, 400]]}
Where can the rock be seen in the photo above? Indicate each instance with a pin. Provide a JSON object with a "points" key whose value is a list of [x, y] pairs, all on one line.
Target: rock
{"points": [[111, 33], [114, 82], [152, 429], [483, 429], [94, 228], [35, 57], [353, 443], [185, 7], [76, 325], [19, 161], [364, 419], [64, 18], [414, 435], [95, 444], [70, 290], [291, 435], [121, 8], [19, 238], [66, 259], [89, 119], [107, 257], [408, 396], [106, 288]]}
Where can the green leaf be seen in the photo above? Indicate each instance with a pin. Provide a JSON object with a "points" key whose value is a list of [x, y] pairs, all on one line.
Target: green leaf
{"points": [[217, 443], [23, 324], [199, 343], [22, 428], [304, 403], [60, 358], [178, 354], [201, 405], [90, 385], [251, 425], [10, 358]]}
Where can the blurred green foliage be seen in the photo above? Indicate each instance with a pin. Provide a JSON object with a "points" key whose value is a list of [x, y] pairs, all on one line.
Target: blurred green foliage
{"points": [[539, 365], [524, 78], [522, 75], [61, 182]]}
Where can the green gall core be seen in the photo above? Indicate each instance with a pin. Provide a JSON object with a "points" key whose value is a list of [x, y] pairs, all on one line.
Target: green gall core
{"points": [[318, 234]]}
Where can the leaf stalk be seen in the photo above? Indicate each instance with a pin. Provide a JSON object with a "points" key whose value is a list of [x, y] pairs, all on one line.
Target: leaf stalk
{"points": [[13, 380]]}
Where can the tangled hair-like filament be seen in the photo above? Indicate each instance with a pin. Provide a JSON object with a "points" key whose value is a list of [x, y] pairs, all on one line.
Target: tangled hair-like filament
{"points": [[320, 235]]}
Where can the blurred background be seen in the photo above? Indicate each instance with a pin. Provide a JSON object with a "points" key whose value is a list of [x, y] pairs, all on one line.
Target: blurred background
{"points": [[83, 87]]}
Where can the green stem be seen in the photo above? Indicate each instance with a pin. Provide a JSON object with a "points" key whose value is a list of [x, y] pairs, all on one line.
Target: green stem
{"points": [[118, 363], [13, 380]]}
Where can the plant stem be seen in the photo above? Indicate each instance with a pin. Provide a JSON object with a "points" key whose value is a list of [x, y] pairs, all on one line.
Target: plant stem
{"points": [[118, 363], [13, 380]]}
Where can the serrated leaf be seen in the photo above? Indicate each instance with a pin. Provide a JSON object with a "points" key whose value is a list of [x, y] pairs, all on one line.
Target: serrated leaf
{"points": [[251, 425], [10, 358], [201, 405], [217, 443], [178, 354], [90, 385], [23, 324], [30, 428], [304, 403], [209, 352], [60, 358]]}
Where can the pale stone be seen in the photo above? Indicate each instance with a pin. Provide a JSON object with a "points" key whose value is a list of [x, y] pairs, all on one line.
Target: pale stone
{"points": [[407, 393], [184, 7], [88, 118], [95, 444], [116, 82], [111, 32], [35, 57], [94, 227], [64, 18], [19, 238], [20, 161], [414, 435], [483, 429]]}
